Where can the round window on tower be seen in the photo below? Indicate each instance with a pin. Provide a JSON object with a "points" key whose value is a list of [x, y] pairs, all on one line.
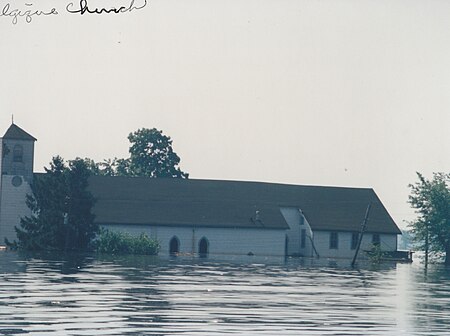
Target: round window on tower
{"points": [[16, 181]]}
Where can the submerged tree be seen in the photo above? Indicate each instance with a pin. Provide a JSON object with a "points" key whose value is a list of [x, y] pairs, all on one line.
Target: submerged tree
{"points": [[5, 150], [151, 155], [431, 199], [61, 209]]}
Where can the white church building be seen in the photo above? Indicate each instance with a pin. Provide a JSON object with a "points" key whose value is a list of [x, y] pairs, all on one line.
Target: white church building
{"points": [[191, 216]]}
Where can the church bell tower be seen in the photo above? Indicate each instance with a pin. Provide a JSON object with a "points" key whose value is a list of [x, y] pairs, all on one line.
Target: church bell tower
{"points": [[16, 167]]}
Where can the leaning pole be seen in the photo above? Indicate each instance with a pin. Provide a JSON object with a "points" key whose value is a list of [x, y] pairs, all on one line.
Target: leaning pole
{"points": [[363, 228]]}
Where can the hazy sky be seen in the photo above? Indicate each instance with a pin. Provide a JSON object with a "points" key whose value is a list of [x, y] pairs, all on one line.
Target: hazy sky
{"points": [[344, 93]]}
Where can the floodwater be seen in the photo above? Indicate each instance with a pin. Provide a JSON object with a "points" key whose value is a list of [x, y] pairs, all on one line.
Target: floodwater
{"points": [[137, 295]]}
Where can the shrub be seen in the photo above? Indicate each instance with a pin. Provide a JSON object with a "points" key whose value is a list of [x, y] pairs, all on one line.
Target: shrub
{"points": [[375, 254], [124, 243]]}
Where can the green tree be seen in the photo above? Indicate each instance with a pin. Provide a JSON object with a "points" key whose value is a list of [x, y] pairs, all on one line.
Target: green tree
{"points": [[95, 168], [5, 150], [431, 199], [61, 209], [121, 167], [152, 155]]}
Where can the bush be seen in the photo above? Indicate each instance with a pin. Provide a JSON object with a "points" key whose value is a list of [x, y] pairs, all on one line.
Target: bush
{"points": [[375, 254], [124, 243]]}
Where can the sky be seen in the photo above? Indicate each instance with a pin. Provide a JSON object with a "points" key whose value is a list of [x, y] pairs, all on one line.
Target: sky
{"points": [[349, 93]]}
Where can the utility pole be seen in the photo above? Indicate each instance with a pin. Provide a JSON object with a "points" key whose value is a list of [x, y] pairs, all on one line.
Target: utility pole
{"points": [[426, 244], [66, 222], [363, 228]]}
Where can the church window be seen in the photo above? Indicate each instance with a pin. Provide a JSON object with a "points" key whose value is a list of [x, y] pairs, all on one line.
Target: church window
{"points": [[376, 239], [334, 241], [16, 181], [18, 153], [203, 247], [174, 246], [355, 239]]}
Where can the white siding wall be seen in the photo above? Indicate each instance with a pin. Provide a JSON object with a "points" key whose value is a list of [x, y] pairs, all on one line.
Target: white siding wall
{"points": [[12, 207], [221, 240], [388, 242]]}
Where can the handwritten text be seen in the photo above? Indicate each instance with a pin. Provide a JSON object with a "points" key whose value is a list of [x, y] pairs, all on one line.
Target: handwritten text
{"points": [[27, 14], [85, 9]]}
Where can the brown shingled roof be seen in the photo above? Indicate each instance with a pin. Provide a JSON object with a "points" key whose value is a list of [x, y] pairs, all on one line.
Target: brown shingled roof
{"points": [[190, 202], [16, 133]]}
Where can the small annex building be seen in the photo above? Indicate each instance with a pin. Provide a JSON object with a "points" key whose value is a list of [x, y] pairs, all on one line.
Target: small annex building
{"points": [[191, 216]]}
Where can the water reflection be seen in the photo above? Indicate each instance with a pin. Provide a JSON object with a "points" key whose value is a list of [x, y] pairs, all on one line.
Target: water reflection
{"points": [[129, 295]]}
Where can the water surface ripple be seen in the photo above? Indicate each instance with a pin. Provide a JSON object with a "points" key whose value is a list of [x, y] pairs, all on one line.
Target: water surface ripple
{"points": [[90, 295]]}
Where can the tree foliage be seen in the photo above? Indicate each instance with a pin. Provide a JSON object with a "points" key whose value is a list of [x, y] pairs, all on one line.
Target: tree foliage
{"points": [[5, 150], [151, 155], [431, 199], [114, 167], [61, 190]]}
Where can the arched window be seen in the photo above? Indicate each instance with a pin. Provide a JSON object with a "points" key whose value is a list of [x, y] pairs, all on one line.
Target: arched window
{"points": [[203, 247], [18, 153], [174, 246]]}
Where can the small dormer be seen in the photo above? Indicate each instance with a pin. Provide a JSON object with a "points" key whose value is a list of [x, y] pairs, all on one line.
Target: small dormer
{"points": [[17, 152]]}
